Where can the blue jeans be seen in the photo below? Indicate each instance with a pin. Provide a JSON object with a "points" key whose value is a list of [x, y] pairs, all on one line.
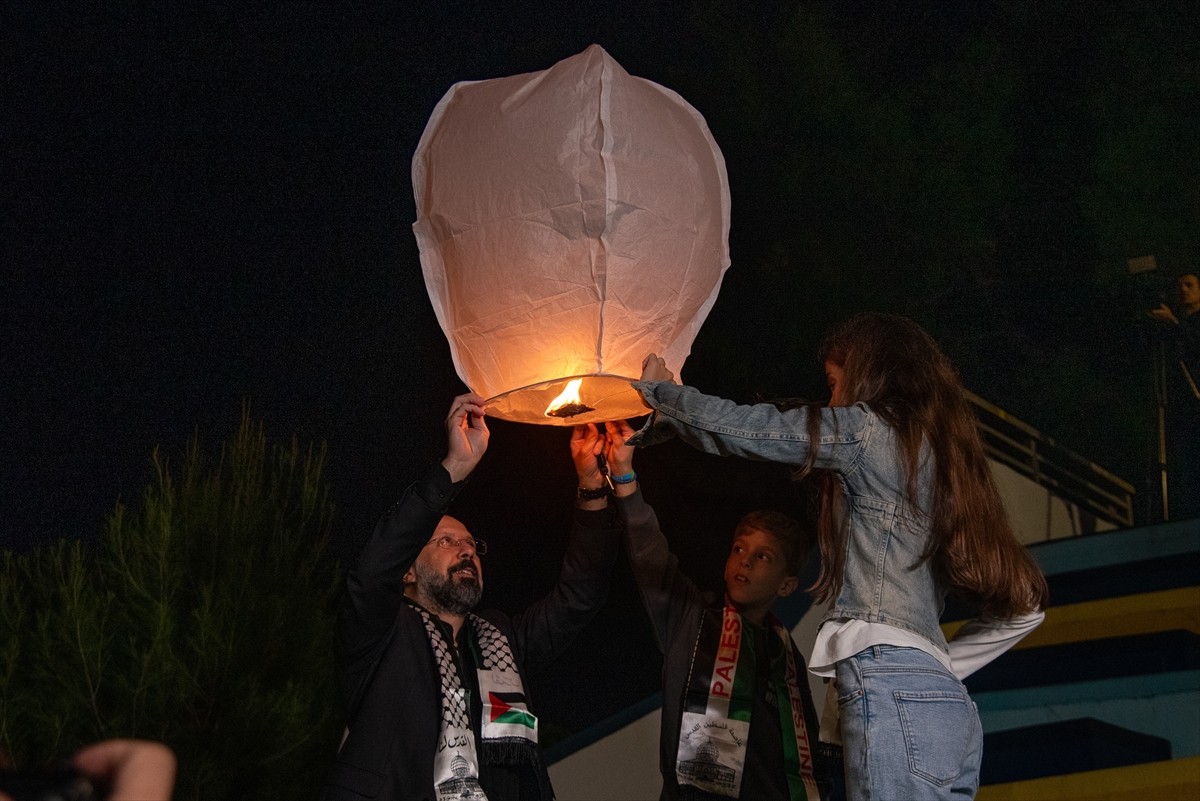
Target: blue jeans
{"points": [[909, 730]]}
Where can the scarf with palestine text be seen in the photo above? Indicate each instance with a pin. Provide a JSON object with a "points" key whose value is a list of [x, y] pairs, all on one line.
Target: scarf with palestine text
{"points": [[715, 728]]}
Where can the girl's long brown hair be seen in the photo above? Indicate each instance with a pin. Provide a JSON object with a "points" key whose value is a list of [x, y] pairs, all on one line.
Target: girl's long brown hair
{"points": [[894, 367]]}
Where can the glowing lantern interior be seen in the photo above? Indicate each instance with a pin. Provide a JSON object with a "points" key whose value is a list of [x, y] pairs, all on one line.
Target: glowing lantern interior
{"points": [[570, 221]]}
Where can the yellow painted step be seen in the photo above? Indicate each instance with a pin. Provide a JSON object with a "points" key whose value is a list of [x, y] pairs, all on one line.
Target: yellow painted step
{"points": [[1144, 613], [1172, 780]]}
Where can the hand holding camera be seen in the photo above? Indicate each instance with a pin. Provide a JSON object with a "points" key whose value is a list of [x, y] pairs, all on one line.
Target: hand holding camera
{"points": [[110, 770]]}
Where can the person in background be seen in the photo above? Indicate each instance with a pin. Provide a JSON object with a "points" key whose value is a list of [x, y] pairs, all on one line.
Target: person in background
{"points": [[738, 719], [436, 694], [909, 513], [1182, 327]]}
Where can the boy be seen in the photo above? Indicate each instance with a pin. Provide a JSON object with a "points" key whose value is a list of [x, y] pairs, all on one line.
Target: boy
{"points": [[737, 718]]}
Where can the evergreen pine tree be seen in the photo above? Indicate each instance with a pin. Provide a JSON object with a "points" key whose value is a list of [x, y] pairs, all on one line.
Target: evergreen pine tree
{"points": [[203, 618]]}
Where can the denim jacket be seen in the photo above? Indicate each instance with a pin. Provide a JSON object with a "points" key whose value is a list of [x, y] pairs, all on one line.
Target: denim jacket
{"points": [[884, 580]]}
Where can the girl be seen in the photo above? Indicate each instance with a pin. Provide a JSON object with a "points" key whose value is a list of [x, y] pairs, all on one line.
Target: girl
{"points": [[909, 514]]}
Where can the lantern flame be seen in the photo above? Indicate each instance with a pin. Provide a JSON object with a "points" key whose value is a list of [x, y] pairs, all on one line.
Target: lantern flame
{"points": [[568, 403]]}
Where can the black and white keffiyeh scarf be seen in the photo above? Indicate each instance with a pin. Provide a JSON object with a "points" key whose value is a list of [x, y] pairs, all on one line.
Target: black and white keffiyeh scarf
{"points": [[507, 728]]}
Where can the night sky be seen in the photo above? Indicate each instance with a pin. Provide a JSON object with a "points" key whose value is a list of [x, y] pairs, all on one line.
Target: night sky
{"points": [[207, 207]]}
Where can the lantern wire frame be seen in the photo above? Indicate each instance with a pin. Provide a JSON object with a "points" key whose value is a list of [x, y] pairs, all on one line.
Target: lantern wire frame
{"points": [[607, 396]]}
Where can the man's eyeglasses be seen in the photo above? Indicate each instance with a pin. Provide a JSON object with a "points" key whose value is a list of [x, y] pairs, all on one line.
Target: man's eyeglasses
{"points": [[478, 546]]}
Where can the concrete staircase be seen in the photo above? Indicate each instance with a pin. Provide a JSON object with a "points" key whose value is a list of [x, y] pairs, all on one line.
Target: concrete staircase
{"points": [[1103, 700]]}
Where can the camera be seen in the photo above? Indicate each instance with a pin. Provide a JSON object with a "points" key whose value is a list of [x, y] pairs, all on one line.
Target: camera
{"points": [[1149, 288]]}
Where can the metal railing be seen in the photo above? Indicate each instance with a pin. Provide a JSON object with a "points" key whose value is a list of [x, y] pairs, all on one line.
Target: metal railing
{"points": [[1013, 442]]}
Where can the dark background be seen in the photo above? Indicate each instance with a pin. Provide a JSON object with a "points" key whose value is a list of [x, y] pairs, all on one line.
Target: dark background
{"points": [[206, 207]]}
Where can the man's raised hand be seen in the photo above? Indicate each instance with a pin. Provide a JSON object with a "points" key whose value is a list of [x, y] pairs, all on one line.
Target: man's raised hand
{"points": [[467, 436]]}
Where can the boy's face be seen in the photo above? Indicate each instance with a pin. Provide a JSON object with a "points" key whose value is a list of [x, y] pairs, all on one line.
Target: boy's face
{"points": [[756, 574]]}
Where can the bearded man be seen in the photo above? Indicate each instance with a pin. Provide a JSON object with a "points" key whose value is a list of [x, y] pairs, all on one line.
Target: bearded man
{"points": [[437, 696]]}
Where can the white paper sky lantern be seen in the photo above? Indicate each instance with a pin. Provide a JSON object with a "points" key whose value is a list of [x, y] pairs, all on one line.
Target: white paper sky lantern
{"points": [[570, 221]]}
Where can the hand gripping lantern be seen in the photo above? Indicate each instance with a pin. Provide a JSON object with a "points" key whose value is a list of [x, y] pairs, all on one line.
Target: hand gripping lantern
{"points": [[570, 221]]}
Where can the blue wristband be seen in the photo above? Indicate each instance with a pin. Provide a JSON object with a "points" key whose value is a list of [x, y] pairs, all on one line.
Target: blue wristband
{"points": [[628, 478]]}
